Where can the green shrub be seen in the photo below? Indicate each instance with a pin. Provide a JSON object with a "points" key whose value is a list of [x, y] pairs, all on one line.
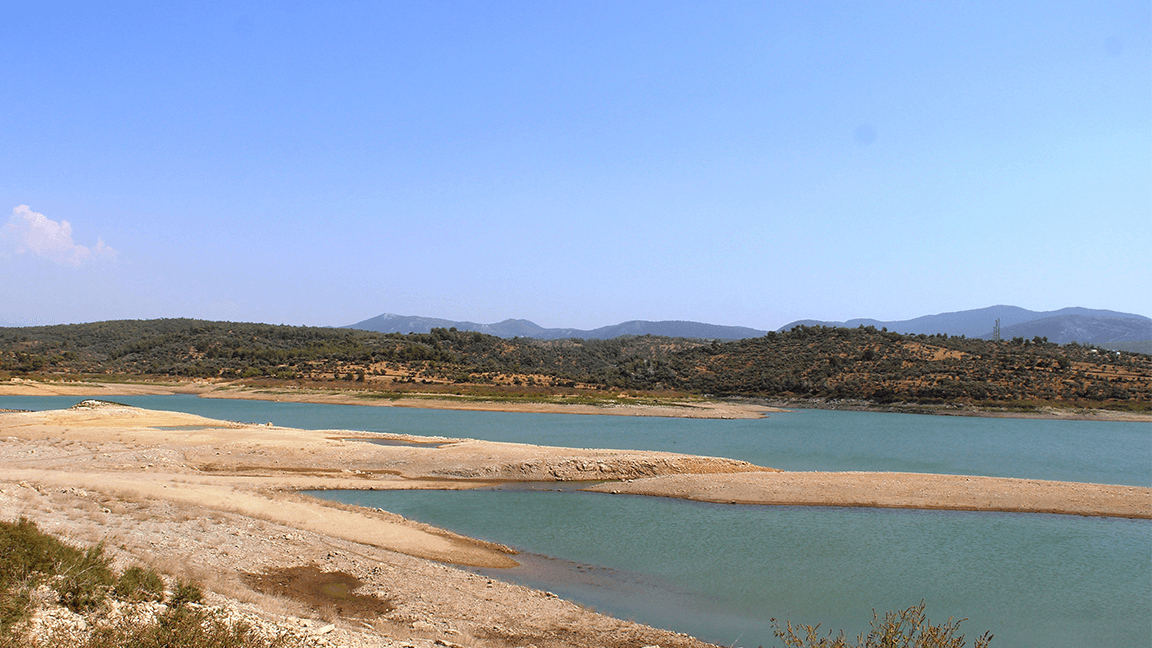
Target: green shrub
{"points": [[84, 583], [83, 579], [186, 593], [28, 554], [904, 629], [180, 627], [139, 584], [15, 607]]}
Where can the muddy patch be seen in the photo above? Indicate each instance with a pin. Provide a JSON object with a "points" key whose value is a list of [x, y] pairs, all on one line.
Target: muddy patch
{"points": [[327, 593]]}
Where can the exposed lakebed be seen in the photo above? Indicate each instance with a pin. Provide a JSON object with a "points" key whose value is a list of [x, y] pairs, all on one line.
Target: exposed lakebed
{"points": [[721, 572], [1102, 452]]}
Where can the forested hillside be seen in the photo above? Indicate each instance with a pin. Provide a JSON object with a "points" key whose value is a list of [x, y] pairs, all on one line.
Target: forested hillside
{"points": [[807, 362], [883, 367]]}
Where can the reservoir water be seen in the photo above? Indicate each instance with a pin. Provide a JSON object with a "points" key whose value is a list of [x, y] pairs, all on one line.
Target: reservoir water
{"points": [[721, 572], [1085, 451]]}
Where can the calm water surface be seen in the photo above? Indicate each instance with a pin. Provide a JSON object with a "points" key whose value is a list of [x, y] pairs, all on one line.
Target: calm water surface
{"points": [[720, 572], [1087, 451]]}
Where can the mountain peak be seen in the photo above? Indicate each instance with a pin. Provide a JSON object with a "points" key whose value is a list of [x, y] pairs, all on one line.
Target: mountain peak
{"points": [[1073, 324]]}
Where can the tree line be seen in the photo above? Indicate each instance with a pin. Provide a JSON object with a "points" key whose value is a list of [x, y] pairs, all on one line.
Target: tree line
{"points": [[806, 362]]}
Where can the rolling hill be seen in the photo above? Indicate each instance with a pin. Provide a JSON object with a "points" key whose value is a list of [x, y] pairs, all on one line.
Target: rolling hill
{"points": [[509, 328], [1105, 328], [1083, 325], [808, 362]]}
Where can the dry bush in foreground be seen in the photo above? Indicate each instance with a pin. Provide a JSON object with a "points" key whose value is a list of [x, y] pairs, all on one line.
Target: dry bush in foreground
{"points": [[904, 629]]}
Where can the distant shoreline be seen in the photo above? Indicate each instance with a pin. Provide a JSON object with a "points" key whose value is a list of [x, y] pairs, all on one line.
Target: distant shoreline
{"points": [[620, 406], [1044, 413], [668, 408]]}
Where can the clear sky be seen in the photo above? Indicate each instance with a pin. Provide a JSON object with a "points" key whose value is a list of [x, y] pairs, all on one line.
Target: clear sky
{"points": [[573, 163]]}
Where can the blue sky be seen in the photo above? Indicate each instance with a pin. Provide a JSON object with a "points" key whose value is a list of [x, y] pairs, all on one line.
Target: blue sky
{"points": [[573, 163]]}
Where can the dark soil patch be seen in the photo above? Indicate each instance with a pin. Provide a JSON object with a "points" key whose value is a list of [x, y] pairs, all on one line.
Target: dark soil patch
{"points": [[330, 593]]}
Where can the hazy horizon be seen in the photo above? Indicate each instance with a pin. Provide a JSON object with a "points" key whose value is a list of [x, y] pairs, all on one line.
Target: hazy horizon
{"points": [[592, 328], [574, 164]]}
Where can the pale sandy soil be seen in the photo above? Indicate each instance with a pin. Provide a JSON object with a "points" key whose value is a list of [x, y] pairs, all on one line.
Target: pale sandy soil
{"points": [[23, 387], [205, 389], [421, 603], [681, 409], [217, 500], [899, 490]]}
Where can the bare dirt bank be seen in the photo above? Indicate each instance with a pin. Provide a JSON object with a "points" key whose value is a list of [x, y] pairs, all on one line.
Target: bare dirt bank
{"points": [[899, 490], [696, 408], [676, 409], [217, 500], [421, 603], [22, 387]]}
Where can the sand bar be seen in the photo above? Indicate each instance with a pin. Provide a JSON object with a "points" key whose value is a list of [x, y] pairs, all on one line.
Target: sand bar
{"points": [[899, 490]]}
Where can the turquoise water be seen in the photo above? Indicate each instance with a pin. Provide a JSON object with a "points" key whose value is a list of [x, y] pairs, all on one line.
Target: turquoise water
{"points": [[721, 572], [1086, 451]]}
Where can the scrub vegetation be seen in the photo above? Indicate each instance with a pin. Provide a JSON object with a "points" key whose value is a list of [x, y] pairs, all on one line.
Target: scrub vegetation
{"points": [[908, 628], [38, 571], [808, 362]]}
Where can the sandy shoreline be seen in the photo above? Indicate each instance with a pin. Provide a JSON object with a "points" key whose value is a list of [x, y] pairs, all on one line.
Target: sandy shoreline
{"points": [[219, 498], [693, 408], [671, 409], [899, 490], [216, 501], [685, 409]]}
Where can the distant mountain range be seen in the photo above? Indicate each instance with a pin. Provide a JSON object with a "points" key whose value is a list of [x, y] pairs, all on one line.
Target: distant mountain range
{"points": [[389, 323], [1084, 325], [1104, 328]]}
